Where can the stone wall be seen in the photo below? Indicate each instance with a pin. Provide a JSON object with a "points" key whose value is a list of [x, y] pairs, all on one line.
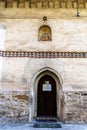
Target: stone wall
{"points": [[19, 32], [17, 73], [14, 107], [67, 35], [16, 80], [76, 106]]}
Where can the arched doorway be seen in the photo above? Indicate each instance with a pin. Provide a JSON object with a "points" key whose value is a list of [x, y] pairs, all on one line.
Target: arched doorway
{"points": [[38, 80], [46, 97]]}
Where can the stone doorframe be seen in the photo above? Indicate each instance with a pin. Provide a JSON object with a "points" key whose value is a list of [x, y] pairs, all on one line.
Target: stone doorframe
{"points": [[34, 87]]}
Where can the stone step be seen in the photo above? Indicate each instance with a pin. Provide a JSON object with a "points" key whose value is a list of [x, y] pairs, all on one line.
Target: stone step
{"points": [[46, 125], [46, 118]]}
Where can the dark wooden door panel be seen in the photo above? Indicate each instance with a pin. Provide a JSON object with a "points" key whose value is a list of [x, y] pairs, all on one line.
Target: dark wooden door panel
{"points": [[46, 104]]}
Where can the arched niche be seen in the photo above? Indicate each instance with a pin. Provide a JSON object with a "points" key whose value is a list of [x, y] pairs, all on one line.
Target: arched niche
{"points": [[44, 33]]}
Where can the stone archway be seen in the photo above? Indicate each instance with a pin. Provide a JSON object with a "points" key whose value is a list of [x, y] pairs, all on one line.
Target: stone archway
{"points": [[59, 92]]}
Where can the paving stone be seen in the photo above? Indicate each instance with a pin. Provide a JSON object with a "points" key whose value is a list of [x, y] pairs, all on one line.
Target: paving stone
{"points": [[29, 127]]}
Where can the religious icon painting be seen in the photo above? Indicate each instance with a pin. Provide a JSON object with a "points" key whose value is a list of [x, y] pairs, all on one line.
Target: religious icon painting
{"points": [[45, 33]]}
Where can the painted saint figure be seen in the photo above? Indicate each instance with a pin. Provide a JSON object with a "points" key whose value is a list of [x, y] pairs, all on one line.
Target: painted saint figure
{"points": [[45, 33]]}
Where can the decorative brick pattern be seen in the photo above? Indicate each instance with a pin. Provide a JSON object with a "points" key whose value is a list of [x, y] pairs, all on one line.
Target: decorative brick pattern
{"points": [[45, 3], [43, 54]]}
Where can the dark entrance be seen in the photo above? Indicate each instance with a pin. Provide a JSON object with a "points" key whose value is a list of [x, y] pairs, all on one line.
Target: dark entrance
{"points": [[46, 100]]}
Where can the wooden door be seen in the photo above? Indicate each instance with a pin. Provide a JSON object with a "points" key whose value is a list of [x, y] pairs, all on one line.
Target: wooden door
{"points": [[46, 100]]}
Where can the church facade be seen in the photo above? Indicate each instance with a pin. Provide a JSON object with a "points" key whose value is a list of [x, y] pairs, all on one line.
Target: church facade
{"points": [[43, 60]]}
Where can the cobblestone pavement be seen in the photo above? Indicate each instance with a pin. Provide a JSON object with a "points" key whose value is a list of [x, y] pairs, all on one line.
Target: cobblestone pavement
{"points": [[29, 127]]}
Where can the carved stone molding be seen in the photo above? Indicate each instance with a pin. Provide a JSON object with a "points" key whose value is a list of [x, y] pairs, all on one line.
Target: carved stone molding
{"points": [[43, 54]]}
